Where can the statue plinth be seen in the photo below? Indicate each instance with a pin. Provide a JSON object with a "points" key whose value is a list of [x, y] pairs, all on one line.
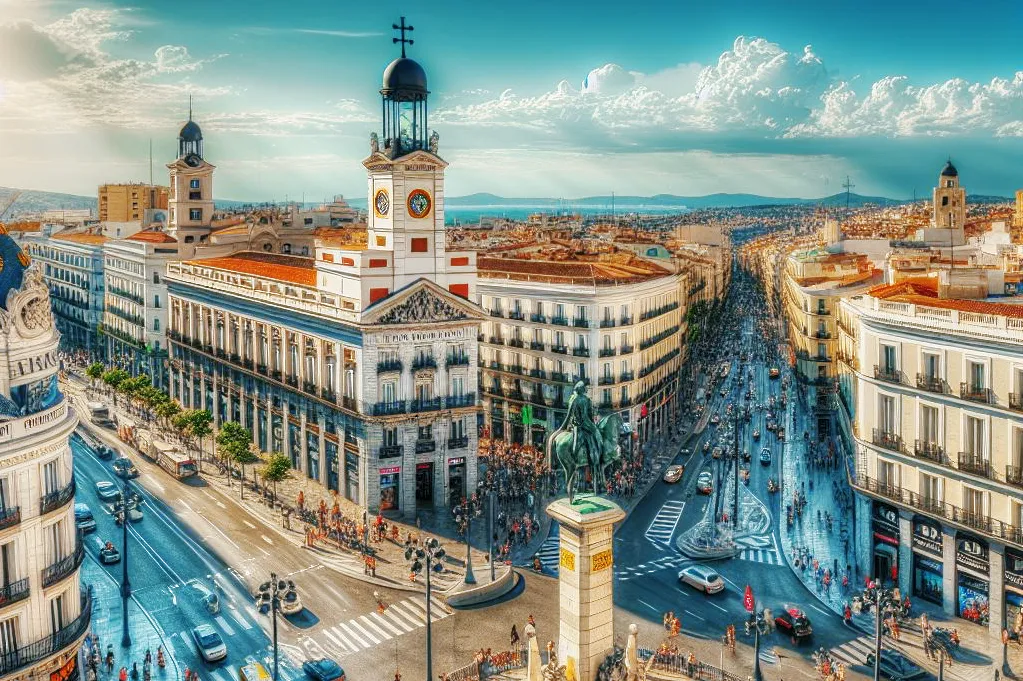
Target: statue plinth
{"points": [[586, 581]]}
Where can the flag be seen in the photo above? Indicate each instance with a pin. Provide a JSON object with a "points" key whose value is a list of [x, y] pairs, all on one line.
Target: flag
{"points": [[527, 414], [747, 599]]}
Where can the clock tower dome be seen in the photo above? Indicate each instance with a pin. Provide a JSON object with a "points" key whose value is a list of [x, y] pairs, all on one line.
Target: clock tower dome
{"points": [[406, 174], [191, 181]]}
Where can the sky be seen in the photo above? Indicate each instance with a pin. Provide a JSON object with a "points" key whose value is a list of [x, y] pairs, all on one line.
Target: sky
{"points": [[530, 99]]}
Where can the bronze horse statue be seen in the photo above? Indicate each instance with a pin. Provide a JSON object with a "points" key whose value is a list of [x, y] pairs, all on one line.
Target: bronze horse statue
{"points": [[560, 445]]}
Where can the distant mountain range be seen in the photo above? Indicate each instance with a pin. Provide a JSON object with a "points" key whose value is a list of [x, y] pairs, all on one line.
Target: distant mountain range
{"points": [[32, 201]]}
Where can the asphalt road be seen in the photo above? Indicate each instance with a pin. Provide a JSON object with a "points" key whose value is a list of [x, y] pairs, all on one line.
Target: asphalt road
{"points": [[193, 538]]}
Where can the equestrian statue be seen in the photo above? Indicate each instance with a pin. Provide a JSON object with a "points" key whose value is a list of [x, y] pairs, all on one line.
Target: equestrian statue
{"points": [[581, 443]]}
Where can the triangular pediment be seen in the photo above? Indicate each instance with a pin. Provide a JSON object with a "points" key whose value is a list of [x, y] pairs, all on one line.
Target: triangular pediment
{"points": [[421, 302], [416, 160]]}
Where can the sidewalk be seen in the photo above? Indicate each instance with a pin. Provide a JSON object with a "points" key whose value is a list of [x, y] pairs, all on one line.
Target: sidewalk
{"points": [[106, 627]]}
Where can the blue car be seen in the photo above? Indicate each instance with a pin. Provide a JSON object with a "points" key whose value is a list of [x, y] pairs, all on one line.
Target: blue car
{"points": [[323, 670]]}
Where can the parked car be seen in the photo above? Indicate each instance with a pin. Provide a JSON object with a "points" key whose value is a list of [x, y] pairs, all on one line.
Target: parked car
{"points": [[109, 554], [765, 456], [323, 670], [124, 468], [674, 473], [105, 453], [756, 433], [209, 644], [896, 666], [705, 483], [774, 373], [702, 578], [291, 604], [107, 491], [795, 623], [83, 519]]}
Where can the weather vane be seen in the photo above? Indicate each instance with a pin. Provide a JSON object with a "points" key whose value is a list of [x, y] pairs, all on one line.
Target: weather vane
{"points": [[403, 40]]}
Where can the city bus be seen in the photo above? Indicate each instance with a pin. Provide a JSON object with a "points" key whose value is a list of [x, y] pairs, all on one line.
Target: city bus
{"points": [[99, 414], [177, 463]]}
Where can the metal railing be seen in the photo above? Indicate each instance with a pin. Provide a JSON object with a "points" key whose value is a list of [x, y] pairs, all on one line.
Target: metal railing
{"points": [[58, 499], [975, 393], [931, 384], [1016, 401], [887, 374], [9, 517], [65, 566], [461, 359], [458, 442], [389, 365], [14, 592], [431, 404], [426, 446], [930, 451], [888, 440], [975, 464], [424, 362], [26, 655], [389, 408]]}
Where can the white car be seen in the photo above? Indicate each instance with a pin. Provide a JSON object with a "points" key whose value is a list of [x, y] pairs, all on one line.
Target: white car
{"points": [[702, 578], [211, 647], [291, 604], [673, 474]]}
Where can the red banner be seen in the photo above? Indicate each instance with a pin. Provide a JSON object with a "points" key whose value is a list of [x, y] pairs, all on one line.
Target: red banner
{"points": [[747, 599]]}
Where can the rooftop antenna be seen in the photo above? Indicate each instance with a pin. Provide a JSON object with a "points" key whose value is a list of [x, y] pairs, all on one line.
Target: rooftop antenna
{"points": [[848, 186], [403, 40], [189, 107]]}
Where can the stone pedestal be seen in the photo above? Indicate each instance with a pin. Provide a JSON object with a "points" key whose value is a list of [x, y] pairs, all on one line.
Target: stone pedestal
{"points": [[585, 582]]}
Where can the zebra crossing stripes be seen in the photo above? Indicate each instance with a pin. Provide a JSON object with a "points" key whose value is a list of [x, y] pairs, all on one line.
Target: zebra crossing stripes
{"points": [[854, 651], [662, 527], [768, 556], [366, 631]]}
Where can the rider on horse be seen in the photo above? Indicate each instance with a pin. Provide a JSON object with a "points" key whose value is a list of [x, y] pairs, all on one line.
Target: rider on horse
{"points": [[580, 415]]}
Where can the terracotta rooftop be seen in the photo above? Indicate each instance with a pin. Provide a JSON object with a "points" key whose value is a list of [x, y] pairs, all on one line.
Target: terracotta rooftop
{"points": [[24, 226], [153, 236], [593, 270], [924, 291], [88, 239], [232, 229], [287, 268]]}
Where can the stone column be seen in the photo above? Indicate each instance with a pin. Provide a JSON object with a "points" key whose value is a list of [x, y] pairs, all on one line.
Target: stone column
{"points": [[996, 595], [905, 554], [586, 582], [948, 578]]}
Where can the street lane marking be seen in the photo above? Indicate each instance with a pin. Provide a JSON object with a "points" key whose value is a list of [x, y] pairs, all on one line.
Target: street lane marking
{"points": [[409, 610], [647, 604], [219, 619], [334, 638], [351, 634], [242, 622], [221, 504], [387, 623], [376, 628], [693, 614], [248, 524], [394, 616], [823, 612], [663, 525], [267, 539], [364, 631], [717, 606]]}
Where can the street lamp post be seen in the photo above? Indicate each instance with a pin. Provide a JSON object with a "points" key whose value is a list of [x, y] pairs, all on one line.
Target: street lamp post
{"points": [[493, 568], [271, 591], [125, 582], [430, 552], [463, 515], [735, 502], [883, 596]]}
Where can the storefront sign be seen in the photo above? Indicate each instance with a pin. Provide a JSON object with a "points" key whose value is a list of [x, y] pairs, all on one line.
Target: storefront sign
{"points": [[887, 517], [1014, 568], [601, 561], [972, 553], [67, 672], [390, 470], [424, 466], [457, 461], [927, 535], [567, 560]]}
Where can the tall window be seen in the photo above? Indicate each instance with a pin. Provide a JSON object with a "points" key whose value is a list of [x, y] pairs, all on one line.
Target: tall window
{"points": [[51, 477], [930, 488], [55, 541], [57, 613], [8, 567], [390, 437], [1016, 453], [457, 386], [973, 436], [388, 391], [9, 637], [973, 501], [889, 361], [886, 414], [929, 424], [195, 214], [931, 366], [457, 429], [977, 382], [5, 492], [887, 474]]}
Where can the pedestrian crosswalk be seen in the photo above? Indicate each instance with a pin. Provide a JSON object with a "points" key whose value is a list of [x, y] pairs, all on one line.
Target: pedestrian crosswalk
{"points": [[768, 556], [550, 551], [854, 651], [626, 573], [366, 631], [663, 525]]}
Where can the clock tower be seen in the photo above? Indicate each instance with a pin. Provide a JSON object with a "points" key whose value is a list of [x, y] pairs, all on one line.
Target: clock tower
{"points": [[191, 186], [406, 175]]}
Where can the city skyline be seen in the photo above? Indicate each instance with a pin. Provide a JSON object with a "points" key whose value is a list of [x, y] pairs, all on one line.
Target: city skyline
{"points": [[776, 101]]}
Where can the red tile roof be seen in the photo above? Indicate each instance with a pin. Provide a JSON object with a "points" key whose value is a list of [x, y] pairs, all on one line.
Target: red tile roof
{"points": [[288, 268], [88, 239], [924, 291], [153, 236]]}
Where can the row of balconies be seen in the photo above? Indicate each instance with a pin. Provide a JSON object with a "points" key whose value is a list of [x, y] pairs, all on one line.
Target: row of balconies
{"points": [[658, 311], [650, 368], [124, 293], [135, 319], [657, 338], [937, 385], [949, 513], [27, 654], [966, 462], [422, 405]]}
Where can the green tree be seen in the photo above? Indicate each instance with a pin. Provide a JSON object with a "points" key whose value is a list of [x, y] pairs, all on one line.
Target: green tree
{"points": [[243, 454], [200, 425], [234, 441], [95, 372], [114, 378], [167, 410], [276, 467]]}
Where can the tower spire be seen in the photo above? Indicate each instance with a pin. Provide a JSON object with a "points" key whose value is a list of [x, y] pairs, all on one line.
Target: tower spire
{"points": [[403, 40], [189, 107]]}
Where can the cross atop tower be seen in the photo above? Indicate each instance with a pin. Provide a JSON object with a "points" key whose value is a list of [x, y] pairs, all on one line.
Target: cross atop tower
{"points": [[403, 40]]}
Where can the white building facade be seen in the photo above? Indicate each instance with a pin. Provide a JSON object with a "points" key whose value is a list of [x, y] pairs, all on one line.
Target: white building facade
{"points": [[44, 613]]}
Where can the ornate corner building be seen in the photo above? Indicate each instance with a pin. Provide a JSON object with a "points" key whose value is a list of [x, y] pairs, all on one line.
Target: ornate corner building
{"points": [[44, 613], [358, 361]]}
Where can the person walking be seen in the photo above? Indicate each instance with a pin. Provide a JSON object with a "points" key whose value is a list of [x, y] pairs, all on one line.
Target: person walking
{"points": [[514, 636]]}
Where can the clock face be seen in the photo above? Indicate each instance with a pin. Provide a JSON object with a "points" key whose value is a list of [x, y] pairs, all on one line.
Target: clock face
{"points": [[419, 203], [193, 160], [382, 203]]}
